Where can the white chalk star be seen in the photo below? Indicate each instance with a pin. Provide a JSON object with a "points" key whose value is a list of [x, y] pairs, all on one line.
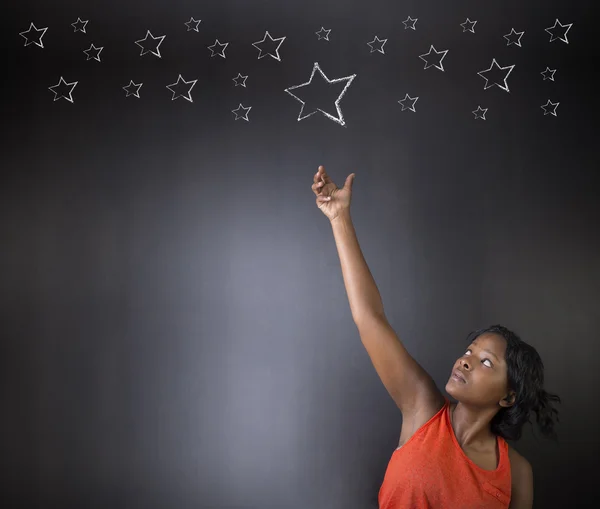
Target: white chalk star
{"points": [[551, 108], [37, 37], [548, 70], [221, 52], [79, 25], [320, 34], [129, 89], [493, 67], [63, 87], [408, 98], [407, 23], [93, 49], [340, 118], [182, 85], [376, 41], [150, 46], [435, 58], [480, 112], [243, 83], [514, 37], [274, 55], [468, 25], [192, 24], [559, 32], [244, 115]]}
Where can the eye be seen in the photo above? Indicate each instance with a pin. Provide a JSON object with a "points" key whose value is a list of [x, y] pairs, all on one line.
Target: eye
{"points": [[483, 360]]}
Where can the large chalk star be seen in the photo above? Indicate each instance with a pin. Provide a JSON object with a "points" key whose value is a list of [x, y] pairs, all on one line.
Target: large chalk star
{"points": [[434, 58], [62, 87], [274, 55], [494, 67], [37, 37], [340, 118], [182, 88], [559, 32], [150, 46]]}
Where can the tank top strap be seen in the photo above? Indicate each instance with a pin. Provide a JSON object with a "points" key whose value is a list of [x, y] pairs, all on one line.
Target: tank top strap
{"points": [[503, 460]]}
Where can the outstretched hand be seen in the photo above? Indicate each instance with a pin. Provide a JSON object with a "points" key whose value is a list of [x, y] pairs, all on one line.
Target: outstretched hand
{"points": [[332, 200]]}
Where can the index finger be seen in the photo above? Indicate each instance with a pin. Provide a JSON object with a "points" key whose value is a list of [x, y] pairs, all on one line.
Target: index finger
{"points": [[324, 176], [316, 177]]}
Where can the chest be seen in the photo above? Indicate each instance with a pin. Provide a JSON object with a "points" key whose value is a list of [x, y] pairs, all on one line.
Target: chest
{"points": [[442, 478], [487, 459]]}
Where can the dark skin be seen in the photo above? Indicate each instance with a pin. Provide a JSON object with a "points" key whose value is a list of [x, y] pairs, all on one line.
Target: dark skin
{"points": [[414, 390], [484, 394], [410, 386]]}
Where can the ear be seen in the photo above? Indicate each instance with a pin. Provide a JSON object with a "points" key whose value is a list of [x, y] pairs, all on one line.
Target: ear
{"points": [[508, 400]]}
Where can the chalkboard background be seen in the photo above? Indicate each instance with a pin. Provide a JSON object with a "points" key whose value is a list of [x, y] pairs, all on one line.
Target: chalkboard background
{"points": [[175, 327]]}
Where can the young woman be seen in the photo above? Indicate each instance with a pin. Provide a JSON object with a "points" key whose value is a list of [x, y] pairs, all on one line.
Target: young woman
{"points": [[450, 455]]}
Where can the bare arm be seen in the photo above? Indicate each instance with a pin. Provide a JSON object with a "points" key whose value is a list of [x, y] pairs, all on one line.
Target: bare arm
{"points": [[409, 385], [522, 486], [363, 294]]}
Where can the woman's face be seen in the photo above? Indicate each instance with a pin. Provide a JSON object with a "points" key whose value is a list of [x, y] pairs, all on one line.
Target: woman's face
{"points": [[484, 369]]}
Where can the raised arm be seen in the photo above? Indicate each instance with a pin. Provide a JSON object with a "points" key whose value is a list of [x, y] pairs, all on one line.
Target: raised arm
{"points": [[409, 385]]}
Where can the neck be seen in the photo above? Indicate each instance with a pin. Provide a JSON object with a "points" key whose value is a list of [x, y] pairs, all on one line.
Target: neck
{"points": [[472, 425]]}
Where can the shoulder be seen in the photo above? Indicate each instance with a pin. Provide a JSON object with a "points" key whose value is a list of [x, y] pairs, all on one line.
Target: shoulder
{"points": [[518, 462], [521, 480]]}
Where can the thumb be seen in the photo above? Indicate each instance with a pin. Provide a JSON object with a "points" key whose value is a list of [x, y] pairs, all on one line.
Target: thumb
{"points": [[349, 181]]}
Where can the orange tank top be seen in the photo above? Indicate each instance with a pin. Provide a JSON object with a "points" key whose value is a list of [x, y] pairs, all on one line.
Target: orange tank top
{"points": [[431, 471]]}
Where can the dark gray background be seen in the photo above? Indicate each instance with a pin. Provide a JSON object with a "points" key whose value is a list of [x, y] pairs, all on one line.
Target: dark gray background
{"points": [[175, 328]]}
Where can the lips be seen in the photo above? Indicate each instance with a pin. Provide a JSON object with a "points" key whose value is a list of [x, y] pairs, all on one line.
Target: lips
{"points": [[457, 374]]}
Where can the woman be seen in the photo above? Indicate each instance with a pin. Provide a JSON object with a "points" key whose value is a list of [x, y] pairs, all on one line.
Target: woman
{"points": [[450, 455]]}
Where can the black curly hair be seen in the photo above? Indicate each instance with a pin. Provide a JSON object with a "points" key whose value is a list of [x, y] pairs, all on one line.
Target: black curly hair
{"points": [[525, 373]]}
